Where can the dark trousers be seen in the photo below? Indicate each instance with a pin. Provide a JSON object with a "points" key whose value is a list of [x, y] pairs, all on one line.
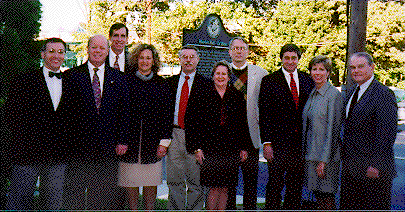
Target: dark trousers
{"points": [[289, 173], [93, 186], [365, 193], [250, 170]]}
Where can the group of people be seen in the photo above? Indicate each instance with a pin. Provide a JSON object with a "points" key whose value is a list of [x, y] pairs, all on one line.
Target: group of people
{"points": [[96, 133]]}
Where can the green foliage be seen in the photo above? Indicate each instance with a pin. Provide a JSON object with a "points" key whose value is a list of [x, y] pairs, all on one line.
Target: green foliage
{"points": [[316, 26], [19, 25]]}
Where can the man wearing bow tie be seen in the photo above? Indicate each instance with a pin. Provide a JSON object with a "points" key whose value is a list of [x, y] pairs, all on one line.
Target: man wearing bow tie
{"points": [[35, 117], [96, 104]]}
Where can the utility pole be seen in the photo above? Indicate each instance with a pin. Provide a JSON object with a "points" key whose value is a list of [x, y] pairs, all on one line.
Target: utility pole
{"points": [[356, 33], [149, 15]]}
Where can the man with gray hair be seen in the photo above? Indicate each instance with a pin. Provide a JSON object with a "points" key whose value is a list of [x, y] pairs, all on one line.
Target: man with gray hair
{"points": [[187, 89], [247, 78], [368, 166], [98, 94]]}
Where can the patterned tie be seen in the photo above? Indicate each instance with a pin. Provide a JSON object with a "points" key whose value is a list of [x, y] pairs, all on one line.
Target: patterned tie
{"points": [[96, 88], [354, 100], [116, 66], [183, 102], [294, 92]]}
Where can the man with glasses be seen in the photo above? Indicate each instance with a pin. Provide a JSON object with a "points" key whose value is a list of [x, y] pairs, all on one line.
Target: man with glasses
{"points": [[247, 78], [35, 114], [182, 170]]}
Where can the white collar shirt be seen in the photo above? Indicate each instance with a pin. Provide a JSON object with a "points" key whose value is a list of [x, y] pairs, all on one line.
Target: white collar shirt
{"points": [[178, 94], [288, 79], [244, 66], [121, 59], [100, 74], [54, 87], [363, 89]]}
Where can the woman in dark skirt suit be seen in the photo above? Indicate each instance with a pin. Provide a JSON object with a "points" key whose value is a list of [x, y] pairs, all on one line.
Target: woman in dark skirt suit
{"points": [[219, 137], [146, 126]]}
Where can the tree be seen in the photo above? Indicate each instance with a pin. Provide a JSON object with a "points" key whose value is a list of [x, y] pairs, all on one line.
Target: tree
{"points": [[19, 25]]}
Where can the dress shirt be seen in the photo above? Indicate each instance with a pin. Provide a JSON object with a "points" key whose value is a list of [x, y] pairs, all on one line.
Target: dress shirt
{"points": [[288, 78], [178, 94], [54, 86], [121, 59], [240, 68], [100, 73], [363, 89]]}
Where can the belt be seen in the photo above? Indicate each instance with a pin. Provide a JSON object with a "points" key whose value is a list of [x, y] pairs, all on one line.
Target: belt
{"points": [[176, 126]]}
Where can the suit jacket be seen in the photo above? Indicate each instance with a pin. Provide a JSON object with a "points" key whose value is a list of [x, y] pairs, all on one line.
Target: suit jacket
{"points": [[205, 131], [255, 75], [370, 132], [198, 91], [95, 133], [322, 124], [36, 131], [147, 112], [280, 121]]}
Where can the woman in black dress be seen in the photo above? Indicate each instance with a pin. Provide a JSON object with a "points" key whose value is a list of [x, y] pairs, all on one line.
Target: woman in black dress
{"points": [[146, 127], [219, 137]]}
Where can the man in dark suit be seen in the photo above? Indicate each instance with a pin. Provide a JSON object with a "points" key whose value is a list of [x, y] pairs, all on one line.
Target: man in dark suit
{"points": [[117, 56], [182, 169], [282, 97], [35, 120], [368, 166], [98, 93]]}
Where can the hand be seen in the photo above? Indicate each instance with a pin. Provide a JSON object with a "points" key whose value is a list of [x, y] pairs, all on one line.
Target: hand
{"points": [[268, 152], [372, 172], [121, 149], [243, 156], [320, 169], [199, 156], [161, 151]]}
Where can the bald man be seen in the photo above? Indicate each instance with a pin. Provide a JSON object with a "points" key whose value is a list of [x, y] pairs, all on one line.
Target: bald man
{"points": [[98, 93]]}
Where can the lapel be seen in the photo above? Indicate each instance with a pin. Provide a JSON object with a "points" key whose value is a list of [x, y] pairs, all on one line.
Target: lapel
{"points": [[85, 87], [251, 82], [365, 98], [284, 88], [303, 94], [43, 91]]}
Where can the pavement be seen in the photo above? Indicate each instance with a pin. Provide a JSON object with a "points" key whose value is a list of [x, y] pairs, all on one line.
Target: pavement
{"points": [[398, 190]]}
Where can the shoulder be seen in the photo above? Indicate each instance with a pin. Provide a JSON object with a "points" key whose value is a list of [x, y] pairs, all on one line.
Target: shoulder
{"points": [[275, 76], [257, 69]]}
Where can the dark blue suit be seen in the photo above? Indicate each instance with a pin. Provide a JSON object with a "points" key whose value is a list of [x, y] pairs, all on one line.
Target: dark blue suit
{"points": [[95, 137], [281, 123], [369, 136], [37, 143]]}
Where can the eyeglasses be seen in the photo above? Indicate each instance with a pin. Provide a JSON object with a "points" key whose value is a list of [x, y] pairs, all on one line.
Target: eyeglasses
{"points": [[238, 48], [191, 57]]}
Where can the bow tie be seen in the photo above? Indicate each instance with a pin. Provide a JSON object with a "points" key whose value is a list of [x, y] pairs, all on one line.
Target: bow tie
{"points": [[57, 75]]}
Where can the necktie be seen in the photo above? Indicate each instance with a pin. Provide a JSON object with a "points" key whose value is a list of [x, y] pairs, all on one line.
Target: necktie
{"points": [[354, 99], [57, 75], [96, 88], [294, 92], [116, 66], [183, 102]]}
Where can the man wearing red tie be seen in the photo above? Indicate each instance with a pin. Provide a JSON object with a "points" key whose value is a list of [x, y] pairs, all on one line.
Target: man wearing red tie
{"points": [[117, 56], [282, 97], [182, 170]]}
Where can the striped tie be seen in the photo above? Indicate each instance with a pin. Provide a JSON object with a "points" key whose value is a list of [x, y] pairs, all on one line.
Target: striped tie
{"points": [[96, 88], [116, 65]]}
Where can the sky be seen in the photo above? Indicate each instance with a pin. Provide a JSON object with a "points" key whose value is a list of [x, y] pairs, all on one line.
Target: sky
{"points": [[61, 17]]}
